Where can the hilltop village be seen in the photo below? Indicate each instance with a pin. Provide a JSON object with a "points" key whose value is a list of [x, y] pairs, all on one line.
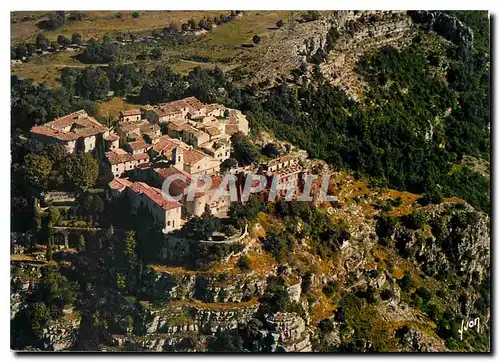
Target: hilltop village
{"points": [[183, 137]]}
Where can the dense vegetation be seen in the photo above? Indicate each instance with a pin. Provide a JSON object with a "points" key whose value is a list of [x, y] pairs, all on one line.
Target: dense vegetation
{"points": [[410, 131]]}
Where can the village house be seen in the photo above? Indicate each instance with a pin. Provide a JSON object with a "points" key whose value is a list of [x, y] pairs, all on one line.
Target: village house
{"points": [[168, 214], [219, 149], [120, 161], [137, 147], [218, 206], [135, 130], [77, 132], [117, 186], [163, 146], [236, 122], [155, 115], [130, 115], [111, 142], [288, 169], [194, 162]]}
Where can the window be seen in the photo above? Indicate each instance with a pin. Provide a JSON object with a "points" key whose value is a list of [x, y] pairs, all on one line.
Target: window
{"points": [[168, 223]]}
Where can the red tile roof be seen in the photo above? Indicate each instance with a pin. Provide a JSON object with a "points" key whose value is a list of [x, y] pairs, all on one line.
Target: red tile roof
{"points": [[191, 104], [111, 137], [154, 195], [130, 112], [141, 156], [137, 145], [192, 156], [82, 125], [115, 158], [119, 184], [165, 144]]}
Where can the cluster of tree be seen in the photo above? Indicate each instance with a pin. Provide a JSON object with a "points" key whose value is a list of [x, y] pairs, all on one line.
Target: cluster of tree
{"points": [[94, 83], [389, 142], [33, 104], [55, 169], [246, 152], [90, 83], [26, 50], [206, 23], [96, 53], [163, 85], [55, 20]]}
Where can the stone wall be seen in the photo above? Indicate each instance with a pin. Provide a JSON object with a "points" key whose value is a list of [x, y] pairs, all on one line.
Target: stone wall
{"points": [[202, 286]]}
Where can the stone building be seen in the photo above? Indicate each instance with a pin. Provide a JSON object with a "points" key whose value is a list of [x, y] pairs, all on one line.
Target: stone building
{"points": [[166, 213], [130, 115], [76, 132]]}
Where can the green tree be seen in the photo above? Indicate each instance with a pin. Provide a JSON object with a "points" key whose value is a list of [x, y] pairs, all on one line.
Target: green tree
{"points": [[130, 251], [156, 53], [228, 164], [63, 41], [54, 215], [37, 170], [41, 41], [92, 83], [136, 14], [244, 152], [279, 23], [81, 171], [271, 150], [81, 243], [76, 39], [256, 39]]}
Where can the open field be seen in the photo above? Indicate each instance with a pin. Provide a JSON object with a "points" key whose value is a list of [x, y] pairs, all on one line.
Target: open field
{"points": [[46, 68], [224, 43], [222, 47], [99, 23]]}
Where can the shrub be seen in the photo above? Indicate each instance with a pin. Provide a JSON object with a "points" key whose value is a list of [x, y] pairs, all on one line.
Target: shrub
{"points": [[244, 263], [415, 220], [136, 14], [331, 288], [405, 282], [425, 293]]}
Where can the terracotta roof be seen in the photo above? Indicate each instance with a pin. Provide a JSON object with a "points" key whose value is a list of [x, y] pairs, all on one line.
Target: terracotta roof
{"points": [[148, 127], [165, 143], [130, 112], [190, 103], [212, 131], [158, 111], [177, 126], [119, 184], [115, 157], [192, 156], [141, 156], [179, 185], [154, 195], [232, 129], [111, 137], [192, 130], [137, 145], [82, 125]]}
